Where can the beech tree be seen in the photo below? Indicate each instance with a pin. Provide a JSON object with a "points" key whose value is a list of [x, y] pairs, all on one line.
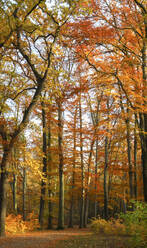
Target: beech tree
{"points": [[30, 42]]}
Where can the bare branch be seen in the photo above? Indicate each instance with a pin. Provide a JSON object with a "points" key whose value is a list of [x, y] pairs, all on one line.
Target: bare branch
{"points": [[31, 88], [34, 7]]}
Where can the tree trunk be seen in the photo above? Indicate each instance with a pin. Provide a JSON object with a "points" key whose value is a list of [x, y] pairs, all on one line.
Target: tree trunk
{"points": [[144, 135], [3, 192], [106, 180], [50, 207], [61, 173], [144, 165], [96, 167], [135, 159], [44, 170], [96, 181], [82, 170], [24, 194], [129, 154], [73, 173], [14, 185], [87, 184]]}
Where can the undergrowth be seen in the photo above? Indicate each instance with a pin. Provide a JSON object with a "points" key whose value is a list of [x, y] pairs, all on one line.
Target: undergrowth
{"points": [[136, 224], [15, 224], [132, 224]]}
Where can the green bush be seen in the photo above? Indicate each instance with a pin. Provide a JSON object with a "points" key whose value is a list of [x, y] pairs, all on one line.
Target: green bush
{"points": [[136, 225]]}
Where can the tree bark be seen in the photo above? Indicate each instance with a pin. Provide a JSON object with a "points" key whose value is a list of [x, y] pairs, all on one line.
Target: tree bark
{"points": [[129, 153], [50, 207], [44, 170], [14, 193], [24, 194], [61, 173], [73, 173], [3, 192], [135, 159], [87, 184], [96, 168], [106, 180], [144, 115], [81, 225], [14, 182]]}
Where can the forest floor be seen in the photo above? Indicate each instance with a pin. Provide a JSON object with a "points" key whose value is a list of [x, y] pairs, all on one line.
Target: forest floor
{"points": [[68, 238]]}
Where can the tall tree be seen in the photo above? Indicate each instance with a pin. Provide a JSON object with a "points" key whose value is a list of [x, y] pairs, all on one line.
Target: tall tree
{"points": [[31, 45]]}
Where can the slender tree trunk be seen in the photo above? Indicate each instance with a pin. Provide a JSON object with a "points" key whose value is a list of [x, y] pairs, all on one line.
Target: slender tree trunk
{"points": [[72, 200], [71, 210], [135, 159], [109, 184], [24, 194], [129, 154], [144, 165], [14, 182], [96, 167], [144, 115], [3, 192], [106, 180], [61, 173], [14, 185], [143, 136], [50, 207], [44, 170], [73, 173], [86, 208], [81, 225]]}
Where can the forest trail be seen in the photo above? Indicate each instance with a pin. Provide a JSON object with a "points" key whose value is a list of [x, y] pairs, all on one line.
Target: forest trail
{"points": [[41, 239]]}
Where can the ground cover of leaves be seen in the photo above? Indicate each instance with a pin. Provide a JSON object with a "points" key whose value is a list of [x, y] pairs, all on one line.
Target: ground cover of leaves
{"points": [[94, 241], [68, 238]]}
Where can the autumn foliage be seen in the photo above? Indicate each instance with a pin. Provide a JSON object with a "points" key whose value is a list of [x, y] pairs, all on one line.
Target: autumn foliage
{"points": [[73, 112]]}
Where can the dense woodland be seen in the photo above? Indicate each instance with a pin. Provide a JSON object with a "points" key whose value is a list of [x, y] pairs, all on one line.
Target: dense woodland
{"points": [[73, 109]]}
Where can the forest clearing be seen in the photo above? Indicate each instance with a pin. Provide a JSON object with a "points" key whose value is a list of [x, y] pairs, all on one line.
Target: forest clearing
{"points": [[73, 123]]}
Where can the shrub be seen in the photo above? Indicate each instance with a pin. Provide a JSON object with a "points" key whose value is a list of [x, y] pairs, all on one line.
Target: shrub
{"points": [[136, 225], [15, 224], [111, 227]]}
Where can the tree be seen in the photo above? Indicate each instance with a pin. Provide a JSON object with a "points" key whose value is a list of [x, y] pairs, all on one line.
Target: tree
{"points": [[31, 45]]}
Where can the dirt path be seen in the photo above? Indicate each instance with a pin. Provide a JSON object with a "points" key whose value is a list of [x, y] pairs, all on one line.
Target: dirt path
{"points": [[45, 239]]}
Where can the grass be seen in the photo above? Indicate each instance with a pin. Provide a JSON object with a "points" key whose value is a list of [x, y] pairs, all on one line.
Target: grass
{"points": [[94, 241]]}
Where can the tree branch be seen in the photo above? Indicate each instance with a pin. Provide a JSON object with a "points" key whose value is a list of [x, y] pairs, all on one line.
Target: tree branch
{"points": [[140, 5]]}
